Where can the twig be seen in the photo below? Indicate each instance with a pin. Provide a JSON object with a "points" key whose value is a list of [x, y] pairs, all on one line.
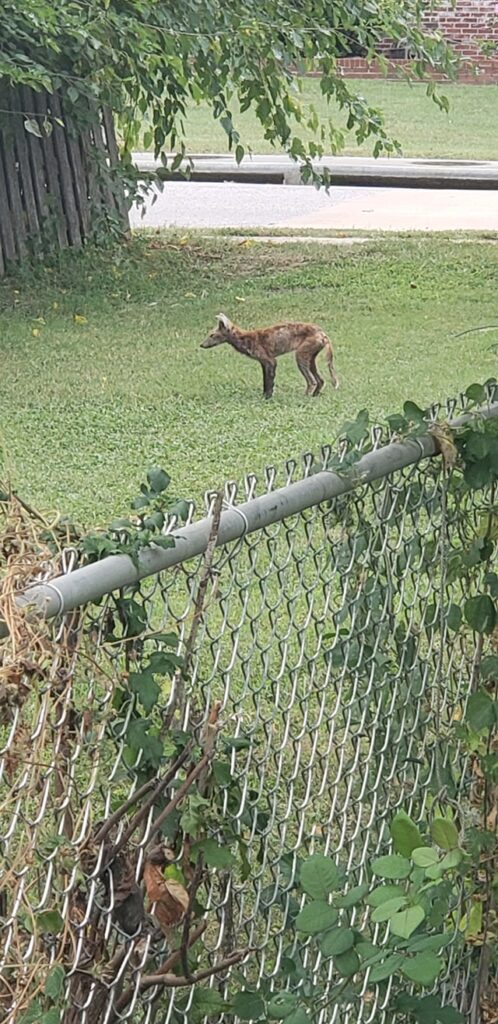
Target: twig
{"points": [[142, 813], [184, 947], [183, 670], [177, 981], [113, 820], [179, 795], [31, 511], [166, 967], [475, 330]]}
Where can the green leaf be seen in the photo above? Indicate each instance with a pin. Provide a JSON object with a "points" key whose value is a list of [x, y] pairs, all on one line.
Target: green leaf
{"points": [[386, 969], [454, 617], [316, 917], [248, 1005], [452, 859], [444, 833], [480, 712], [216, 856], [347, 963], [49, 921], [351, 898], [237, 742], [336, 941], [146, 688], [434, 871], [193, 816], [382, 894], [405, 834], [421, 943], [448, 1015], [391, 866], [160, 541], [476, 393], [32, 127], [477, 446], [413, 413], [164, 663], [387, 909], [158, 480], [425, 856], [298, 1017], [368, 951], [423, 968], [406, 921], [397, 423], [32, 1014], [180, 509], [207, 1002], [222, 773], [489, 666], [356, 430], [477, 474], [55, 982], [480, 613], [281, 1006], [319, 876], [52, 1016]]}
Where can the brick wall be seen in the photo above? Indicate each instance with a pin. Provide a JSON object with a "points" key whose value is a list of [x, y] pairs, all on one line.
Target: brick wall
{"points": [[464, 25]]}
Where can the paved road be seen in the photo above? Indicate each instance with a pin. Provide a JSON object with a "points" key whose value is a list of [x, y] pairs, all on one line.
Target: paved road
{"points": [[227, 205], [234, 205], [278, 169]]}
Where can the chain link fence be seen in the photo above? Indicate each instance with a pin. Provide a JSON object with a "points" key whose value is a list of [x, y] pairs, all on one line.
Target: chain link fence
{"points": [[326, 651]]}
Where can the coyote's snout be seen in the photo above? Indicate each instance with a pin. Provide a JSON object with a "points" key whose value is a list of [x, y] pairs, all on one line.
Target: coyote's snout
{"points": [[306, 340]]}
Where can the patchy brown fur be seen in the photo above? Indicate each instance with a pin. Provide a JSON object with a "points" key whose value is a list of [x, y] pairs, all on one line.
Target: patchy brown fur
{"points": [[265, 345]]}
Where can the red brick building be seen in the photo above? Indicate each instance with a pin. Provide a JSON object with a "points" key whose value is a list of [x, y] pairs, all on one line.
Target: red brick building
{"points": [[466, 24]]}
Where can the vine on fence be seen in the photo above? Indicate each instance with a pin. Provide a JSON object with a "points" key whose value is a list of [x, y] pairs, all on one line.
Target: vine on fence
{"points": [[154, 856]]}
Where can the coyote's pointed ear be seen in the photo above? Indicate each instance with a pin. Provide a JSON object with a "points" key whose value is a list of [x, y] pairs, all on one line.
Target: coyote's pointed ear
{"points": [[223, 321]]}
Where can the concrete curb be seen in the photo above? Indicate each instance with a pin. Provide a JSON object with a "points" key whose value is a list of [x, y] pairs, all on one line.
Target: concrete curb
{"points": [[344, 171]]}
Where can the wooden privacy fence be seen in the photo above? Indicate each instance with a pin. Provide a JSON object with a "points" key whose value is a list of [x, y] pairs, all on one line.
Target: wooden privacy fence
{"points": [[58, 181]]}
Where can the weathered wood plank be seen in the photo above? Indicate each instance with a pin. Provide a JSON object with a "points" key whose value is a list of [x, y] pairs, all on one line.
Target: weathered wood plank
{"points": [[52, 176], [110, 134], [37, 163], [112, 147], [101, 153], [78, 170], [95, 201], [6, 227], [25, 171], [12, 181], [13, 184], [66, 180]]}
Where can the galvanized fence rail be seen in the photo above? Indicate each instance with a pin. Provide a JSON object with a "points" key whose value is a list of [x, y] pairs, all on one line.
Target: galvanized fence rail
{"points": [[317, 625]]}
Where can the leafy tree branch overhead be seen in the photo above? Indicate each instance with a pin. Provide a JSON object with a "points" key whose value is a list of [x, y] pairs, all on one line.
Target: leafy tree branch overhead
{"points": [[144, 57]]}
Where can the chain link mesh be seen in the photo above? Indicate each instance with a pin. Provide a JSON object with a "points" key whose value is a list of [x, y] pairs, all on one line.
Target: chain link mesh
{"points": [[329, 641]]}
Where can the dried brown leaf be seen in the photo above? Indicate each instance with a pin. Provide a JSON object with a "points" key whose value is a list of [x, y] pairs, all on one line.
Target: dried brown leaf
{"points": [[168, 897]]}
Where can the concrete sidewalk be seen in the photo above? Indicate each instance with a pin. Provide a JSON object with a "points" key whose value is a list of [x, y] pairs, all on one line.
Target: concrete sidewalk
{"points": [[394, 172], [230, 205]]}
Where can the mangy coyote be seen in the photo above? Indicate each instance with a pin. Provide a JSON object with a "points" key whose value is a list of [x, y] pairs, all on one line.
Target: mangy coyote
{"points": [[265, 345]]}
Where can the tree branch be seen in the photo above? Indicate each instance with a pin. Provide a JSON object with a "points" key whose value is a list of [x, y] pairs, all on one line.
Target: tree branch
{"points": [[175, 981]]}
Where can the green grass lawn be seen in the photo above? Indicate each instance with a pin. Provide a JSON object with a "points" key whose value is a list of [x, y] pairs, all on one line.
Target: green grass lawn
{"points": [[88, 404], [468, 131]]}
